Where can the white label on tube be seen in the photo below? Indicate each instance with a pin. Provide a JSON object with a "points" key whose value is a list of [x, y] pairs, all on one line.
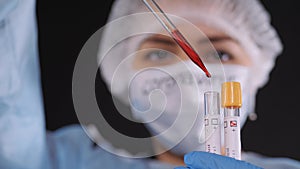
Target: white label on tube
{"points": [[232, 134], [213, 134]]}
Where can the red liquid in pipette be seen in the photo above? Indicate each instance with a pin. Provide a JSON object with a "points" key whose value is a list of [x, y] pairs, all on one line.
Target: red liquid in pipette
{"points": [[182, 42]]}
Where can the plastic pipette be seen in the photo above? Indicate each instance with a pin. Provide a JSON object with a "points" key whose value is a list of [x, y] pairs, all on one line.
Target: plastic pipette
{"points": [[176, 34]]}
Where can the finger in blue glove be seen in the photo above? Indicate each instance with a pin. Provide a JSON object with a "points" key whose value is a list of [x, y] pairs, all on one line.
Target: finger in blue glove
{"points": [[204, 160]]}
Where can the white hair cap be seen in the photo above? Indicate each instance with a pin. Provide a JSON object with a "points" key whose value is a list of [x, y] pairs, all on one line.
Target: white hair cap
{"points": [[246, 21]]}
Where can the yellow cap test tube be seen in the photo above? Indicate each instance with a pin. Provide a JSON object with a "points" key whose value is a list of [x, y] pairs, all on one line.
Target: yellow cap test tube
{"points": [[231, 101]]}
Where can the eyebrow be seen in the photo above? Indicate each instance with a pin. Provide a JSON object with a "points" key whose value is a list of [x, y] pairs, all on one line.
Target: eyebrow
{"points": [[167, 41], [215, 39], [170, 41]]}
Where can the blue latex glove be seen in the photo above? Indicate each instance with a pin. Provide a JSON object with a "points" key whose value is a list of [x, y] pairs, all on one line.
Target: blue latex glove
{"points": [[204, 160]]}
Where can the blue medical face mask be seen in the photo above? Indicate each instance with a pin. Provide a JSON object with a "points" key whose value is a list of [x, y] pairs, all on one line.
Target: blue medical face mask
{"points": [[171, 98]]}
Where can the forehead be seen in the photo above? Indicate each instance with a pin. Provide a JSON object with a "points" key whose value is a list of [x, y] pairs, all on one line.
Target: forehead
{"points": [[210, 31]]}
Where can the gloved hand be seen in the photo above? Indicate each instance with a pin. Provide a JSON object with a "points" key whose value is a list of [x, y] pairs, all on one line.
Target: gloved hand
{"points": [[204, 160]]}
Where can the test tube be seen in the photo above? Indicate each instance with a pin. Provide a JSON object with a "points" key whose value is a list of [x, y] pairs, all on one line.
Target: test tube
{"points": [[231, 103], [212, 122]]}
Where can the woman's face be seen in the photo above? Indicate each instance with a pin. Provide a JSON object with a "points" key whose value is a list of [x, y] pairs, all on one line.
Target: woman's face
{"points": [[161, 50]]}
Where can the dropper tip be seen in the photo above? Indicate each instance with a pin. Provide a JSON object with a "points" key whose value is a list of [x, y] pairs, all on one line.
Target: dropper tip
{"points": [[208, 75]]}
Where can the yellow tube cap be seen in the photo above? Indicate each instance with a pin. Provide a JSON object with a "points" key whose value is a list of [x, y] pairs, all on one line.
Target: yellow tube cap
{"points": [[231, 94]]}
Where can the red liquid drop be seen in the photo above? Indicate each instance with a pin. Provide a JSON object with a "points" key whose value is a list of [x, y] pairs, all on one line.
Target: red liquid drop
{"points": [[182, 42]]}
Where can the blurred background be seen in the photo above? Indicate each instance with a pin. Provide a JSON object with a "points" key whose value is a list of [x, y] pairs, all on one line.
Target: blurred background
{"points": [[65, 26]]}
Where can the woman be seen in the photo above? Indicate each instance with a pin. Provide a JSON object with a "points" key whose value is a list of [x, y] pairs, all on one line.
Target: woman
{"points": [[240, 36]]}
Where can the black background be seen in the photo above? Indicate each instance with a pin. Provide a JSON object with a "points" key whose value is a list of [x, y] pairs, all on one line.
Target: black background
{"points": [[64, 27]]}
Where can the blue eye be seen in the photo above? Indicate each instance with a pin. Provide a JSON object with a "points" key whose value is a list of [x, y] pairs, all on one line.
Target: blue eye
{"points": [[158, 55], [223, 56], [218, 56]]}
